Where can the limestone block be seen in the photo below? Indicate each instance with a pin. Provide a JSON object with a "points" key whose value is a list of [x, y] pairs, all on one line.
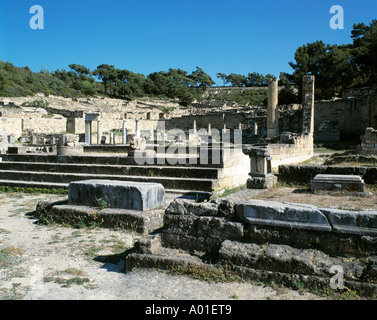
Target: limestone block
{"points": [[284, 258], [266, 182], [219, 208], [337, 182], [201, 233], [283, 214], [117, 194], [70, 151], [352, 222]]}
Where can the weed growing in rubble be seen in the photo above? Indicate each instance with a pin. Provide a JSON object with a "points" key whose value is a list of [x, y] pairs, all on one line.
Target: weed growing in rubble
{"points": [[102, 203]]}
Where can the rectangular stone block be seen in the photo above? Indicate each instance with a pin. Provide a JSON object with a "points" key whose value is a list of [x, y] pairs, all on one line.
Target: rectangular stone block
{"points": [[337, 182], [283, 214], [116, 194], [199, 233], [352, 222]]}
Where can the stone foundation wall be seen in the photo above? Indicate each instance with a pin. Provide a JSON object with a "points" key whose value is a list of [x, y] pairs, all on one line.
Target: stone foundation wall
{"points": [[235, 169], [18, 126], [45, 125], [352, 115], [266, 240], [295, 149], [304, 174]]}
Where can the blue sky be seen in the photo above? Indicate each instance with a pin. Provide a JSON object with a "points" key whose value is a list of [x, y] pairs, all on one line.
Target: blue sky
{"points": [[145, 36]]}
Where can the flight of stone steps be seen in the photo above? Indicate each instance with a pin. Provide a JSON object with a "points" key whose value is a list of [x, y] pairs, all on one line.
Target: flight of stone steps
{"points": [[52, 171]]}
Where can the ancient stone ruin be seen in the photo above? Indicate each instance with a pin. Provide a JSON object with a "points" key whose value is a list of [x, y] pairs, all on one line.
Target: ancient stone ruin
{"points": [[111, 204], [265, 240], [118, 166]]}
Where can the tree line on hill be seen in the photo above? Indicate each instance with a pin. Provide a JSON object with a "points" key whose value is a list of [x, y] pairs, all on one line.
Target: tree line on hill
{"points": [[336, 67]]}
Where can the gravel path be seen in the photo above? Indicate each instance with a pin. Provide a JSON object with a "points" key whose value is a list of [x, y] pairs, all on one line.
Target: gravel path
{"points": [[61, 263]]}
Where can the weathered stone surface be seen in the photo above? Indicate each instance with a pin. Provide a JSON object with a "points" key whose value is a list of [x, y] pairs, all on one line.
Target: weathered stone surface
{"points": [[283, 214], [165, 261], [256, 151], [184, 207], [337, 182], [141, 222], [283, 258], [352, 222], [216, 208], [266, 182], [149, 244], [117, 194], [202, 233]]}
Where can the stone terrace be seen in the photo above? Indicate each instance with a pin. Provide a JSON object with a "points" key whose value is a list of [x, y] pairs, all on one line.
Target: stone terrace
{"points": [[175, 173]]}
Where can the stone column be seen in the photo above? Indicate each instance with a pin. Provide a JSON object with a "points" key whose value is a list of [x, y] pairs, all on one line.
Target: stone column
{"points": [[137, 129], [308, 103], [272, 109], [124, 133], [255, 128], [99, 133], [88, 132], [194, 130]]}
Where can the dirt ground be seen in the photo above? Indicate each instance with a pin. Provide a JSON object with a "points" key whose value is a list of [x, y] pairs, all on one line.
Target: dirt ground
{"points": [[335, 200], [54, 262]]}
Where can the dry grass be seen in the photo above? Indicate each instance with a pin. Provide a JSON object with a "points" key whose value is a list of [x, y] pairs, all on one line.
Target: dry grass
{"points": [[337, 200]]}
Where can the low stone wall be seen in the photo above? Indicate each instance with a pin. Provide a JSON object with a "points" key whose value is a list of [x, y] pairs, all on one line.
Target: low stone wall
{"points": [[17, 126], [45, 125], [294, 149], [62, 212], [12, 126], [304, 174], [353, 115], [266, 240]]}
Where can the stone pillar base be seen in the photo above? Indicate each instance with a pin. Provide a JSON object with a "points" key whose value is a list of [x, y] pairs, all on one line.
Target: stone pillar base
{"points": [[265, 182]]}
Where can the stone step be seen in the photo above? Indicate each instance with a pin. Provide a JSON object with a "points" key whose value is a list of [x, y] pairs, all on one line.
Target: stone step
{"points": [[168, 161], [149, 171], [140, 221], [33, 184], [192, 194], [208, 185]]}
